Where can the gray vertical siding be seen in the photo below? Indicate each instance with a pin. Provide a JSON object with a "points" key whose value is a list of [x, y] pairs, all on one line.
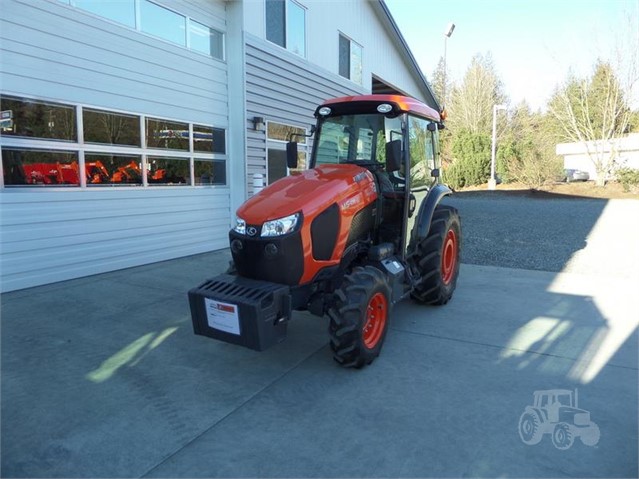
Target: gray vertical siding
{"points": [[285, 88]]}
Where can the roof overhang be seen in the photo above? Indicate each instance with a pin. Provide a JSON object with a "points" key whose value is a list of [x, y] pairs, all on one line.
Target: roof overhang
{"points": [[382, 11]]}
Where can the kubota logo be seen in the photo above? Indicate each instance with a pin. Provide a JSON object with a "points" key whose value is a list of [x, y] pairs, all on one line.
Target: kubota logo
{"points": [[226, 308], [556, 412]]}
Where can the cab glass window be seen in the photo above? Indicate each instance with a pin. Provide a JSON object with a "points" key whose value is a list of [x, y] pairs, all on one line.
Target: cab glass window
{"points": [[422, 152]]}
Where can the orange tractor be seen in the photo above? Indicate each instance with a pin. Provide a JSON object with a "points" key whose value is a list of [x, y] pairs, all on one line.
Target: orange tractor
{"points": [[362, 229]]}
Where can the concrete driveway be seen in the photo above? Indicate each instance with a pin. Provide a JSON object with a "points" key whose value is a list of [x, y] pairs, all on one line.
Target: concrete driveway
{"points": [[102, 377]]}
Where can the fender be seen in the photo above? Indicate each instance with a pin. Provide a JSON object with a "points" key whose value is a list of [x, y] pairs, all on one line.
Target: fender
{"points": [[427, 209]]}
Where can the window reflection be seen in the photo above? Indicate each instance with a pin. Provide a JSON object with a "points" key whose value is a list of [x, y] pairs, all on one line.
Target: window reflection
{"points": [[206, 40], [31, 161], [167, 134], [281, 132], [162, 23], [38, 119], [40, 167], [111, 128], [168, 171], [113, 170], [209, 172], [121, 11], [209, 139], [296, 23]]}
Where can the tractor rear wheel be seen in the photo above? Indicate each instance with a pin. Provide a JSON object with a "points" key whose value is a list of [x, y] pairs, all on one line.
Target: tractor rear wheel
{"points": [[359, 317], [436, 257], [530, 430]]}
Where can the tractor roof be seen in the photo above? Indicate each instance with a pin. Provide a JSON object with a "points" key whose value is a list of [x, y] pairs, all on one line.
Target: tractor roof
{"points": [[555, 391], [400, 104]]}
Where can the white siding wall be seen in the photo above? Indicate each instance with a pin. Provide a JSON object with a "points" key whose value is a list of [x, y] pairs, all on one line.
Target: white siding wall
{"points": [[54, 236], [358, 20], [52, 51]]}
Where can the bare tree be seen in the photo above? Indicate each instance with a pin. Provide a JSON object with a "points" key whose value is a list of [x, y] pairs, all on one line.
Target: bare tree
{"points": [[472, 102], [596, 111]]}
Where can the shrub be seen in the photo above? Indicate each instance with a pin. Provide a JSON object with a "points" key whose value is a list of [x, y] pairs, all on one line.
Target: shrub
{"points": [[471, 164], [629, 178]]}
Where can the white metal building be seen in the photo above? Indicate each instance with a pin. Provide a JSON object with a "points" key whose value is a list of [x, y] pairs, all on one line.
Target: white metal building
{"points": [[130, 131], [624, 153]]}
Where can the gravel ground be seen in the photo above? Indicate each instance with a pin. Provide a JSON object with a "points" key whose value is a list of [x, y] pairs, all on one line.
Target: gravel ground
{"points": [[549, 233]]}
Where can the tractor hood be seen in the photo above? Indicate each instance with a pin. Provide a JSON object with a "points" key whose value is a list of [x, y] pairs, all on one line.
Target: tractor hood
{"points": [[310, 192]]}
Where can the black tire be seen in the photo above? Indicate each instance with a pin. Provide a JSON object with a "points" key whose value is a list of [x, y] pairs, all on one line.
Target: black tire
{"points": [[436, 258], [232, 269], [530, 430], [359, 317]]}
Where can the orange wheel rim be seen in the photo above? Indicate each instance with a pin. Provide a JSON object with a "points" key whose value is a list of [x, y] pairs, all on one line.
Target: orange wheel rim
{"points": [[449, 257], [376, 313]]}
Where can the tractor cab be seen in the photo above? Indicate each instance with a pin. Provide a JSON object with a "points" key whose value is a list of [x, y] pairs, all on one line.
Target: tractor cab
{"points": [[389, 136]]}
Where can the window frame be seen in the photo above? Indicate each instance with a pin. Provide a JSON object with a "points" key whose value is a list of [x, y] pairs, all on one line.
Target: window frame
{"points": [[82, 148], [280, 145], [287, 29], [351, 42]]}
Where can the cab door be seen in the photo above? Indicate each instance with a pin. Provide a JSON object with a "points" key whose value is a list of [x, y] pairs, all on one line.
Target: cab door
{"points": [[422, 146]]}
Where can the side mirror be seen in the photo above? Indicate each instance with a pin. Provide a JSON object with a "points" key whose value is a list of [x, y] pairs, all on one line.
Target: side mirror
{"points": [[291, 154], [434, 172], [393, 155]]}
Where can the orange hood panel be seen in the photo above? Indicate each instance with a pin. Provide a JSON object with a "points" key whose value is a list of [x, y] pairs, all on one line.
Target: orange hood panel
{"points": [[310, 192]]}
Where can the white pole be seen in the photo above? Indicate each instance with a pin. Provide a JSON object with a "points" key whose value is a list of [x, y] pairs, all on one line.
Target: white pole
{"points": [[492, 182]]}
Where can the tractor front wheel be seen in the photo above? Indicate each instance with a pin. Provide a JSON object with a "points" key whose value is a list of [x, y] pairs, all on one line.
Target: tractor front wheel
{"points": [[436, 258], [562, 436], [359, 317]]}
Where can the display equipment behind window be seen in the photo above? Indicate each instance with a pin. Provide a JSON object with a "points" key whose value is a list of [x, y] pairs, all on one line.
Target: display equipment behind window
{"points": [[40, 168], [112, 153]]}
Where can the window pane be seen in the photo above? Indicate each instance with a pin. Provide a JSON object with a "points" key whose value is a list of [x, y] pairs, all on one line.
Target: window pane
{"points": [[356, 63], [40, 167], [121, 11], [344, 57], [278, 131], [276, 165], [38, 119], [210, 172], [111, 128], [168, 171], [422, 158], [162, 23], [209, 139], [113, 170], [206, 40], [167, 134], [275, 22], [296, 29]]}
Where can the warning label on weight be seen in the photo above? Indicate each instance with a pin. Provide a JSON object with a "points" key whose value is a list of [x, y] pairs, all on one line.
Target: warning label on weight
{"points": [[222, 316]]}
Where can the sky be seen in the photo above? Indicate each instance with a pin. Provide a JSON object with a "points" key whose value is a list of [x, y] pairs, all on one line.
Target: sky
{"points": [[533, 43]]}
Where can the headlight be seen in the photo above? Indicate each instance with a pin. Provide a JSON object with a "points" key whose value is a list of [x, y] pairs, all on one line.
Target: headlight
{"points": [[280, 226], [240, 226]]}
